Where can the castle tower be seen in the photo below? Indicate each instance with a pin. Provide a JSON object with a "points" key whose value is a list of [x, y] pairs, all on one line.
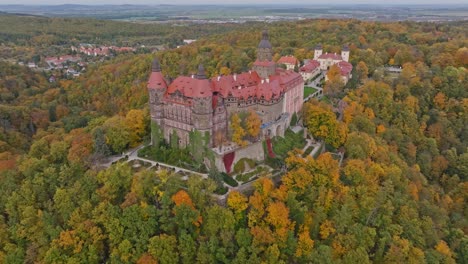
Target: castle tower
{"points": [[318, 51], [157, 87], [264, 51], [345, 53], [201, 72], [202, 105], [264, 65]]}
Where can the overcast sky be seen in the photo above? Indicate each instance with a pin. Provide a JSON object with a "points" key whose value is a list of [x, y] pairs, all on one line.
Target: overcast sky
{"points": [[256, 2]]}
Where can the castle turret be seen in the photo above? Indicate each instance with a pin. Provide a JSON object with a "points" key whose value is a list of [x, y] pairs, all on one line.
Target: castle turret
{"points": [[201, 72], [318, 51], [157, 87], [202, 105], [345, 53], [264, 65]]}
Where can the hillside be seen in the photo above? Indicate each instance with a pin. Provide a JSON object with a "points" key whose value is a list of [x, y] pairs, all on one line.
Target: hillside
{"points": [[399, 197]]}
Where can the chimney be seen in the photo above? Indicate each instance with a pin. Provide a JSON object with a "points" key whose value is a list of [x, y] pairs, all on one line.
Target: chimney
{"points": [[263, 81], [219, 77], [268, 80], [235, 77]]}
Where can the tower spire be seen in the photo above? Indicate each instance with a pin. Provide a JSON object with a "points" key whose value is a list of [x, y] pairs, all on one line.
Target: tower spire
{"points": [[201, 72], [156, 67], [265, 43]]}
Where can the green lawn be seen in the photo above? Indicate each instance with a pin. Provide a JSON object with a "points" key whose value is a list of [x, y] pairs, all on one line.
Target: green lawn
{"points": [[308, 91]]}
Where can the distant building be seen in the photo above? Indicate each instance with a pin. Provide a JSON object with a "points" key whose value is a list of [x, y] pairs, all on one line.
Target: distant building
{"points": [[32, 65], [289, 61], [73, 72], [92, 50], [189, 41], [58, 62], [52, 79], [329, 59]]}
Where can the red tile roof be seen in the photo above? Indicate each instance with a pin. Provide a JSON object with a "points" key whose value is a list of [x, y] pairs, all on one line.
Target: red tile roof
{"points": [[234, 83], [191, 87], [286, 79], [310, 66], [288, 60], [156, 81], [345, 67], [332, 56], [243, 85]]}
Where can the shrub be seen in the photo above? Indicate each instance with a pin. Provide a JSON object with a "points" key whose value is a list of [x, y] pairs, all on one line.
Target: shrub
{"points": [[221, 190], [294, 119], [229, 180], [240, 165]]}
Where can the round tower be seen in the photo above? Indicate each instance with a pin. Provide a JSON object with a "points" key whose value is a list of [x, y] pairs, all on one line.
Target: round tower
{"points": [[264, 64], [202, 105], [264, 51], [157, 87], [318, 51], [345, 53]]}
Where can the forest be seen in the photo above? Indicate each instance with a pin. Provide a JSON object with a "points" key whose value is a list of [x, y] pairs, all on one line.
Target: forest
{"points": [[399, 196]]}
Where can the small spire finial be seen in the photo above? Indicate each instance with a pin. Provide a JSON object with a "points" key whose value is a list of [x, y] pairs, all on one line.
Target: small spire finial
{"points": [[156, 67], [265, 34]]}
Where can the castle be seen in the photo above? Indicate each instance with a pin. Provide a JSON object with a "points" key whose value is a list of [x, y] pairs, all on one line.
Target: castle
{"points": [[198, 103]]}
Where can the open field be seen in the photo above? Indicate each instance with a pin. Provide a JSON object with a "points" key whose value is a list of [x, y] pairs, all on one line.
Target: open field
{"points": [[243, 13]]}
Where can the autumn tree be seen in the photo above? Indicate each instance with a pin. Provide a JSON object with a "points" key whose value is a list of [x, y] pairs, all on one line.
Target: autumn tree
{"points": [[135, 121], [334, 85], [238, 131], [321, 122], [164, 249], [117, 134], [252, 124], [362, 71]]}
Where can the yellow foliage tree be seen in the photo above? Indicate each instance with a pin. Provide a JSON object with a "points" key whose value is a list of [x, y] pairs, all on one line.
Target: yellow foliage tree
{"points": [[334, 84], [326, 229], [322, 123], [304, 243], [362, 70], [238, 131], [135, 121], [253, 123], [225, 70], [278, 217], [237, 202]]}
